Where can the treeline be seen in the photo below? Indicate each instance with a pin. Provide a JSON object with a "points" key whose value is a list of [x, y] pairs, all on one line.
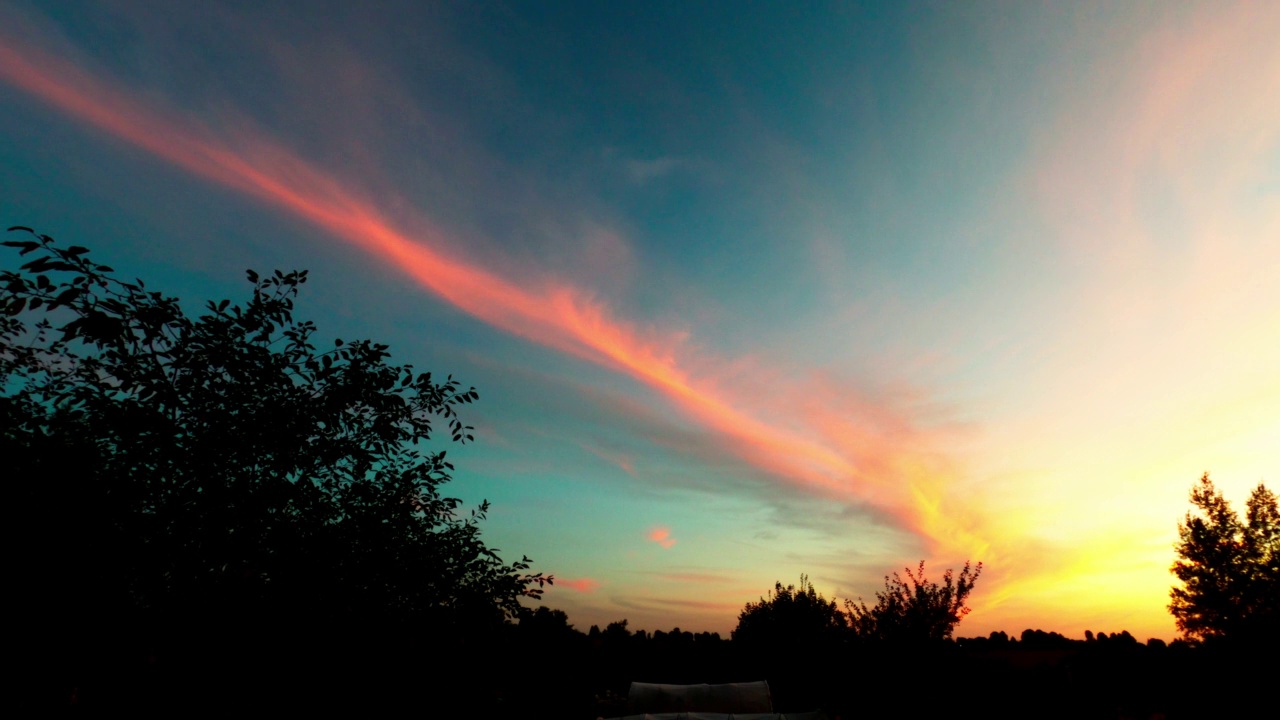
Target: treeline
{"points": [[1031, 674]]}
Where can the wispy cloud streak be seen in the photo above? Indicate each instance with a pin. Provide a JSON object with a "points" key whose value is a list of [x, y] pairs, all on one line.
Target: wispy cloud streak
{"points": [[547, 311]]}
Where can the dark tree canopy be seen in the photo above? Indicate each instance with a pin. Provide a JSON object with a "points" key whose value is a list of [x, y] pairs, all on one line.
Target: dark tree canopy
{"points": [[181, 475], [790, 616], [1229, 568], [915, 609]]}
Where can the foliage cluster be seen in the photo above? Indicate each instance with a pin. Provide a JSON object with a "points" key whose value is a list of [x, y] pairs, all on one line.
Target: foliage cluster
{"points": [[910, 610], [915, 608], [798, 616]]}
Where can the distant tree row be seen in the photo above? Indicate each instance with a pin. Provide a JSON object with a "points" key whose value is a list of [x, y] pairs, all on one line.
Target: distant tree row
{"points": [[552, 624]]}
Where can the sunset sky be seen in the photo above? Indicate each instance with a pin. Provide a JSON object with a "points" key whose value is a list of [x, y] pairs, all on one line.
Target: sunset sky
{"points": [[748, 289]]}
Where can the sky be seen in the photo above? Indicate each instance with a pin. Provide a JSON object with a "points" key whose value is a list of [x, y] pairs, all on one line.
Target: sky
{"points": [[748, 290]]}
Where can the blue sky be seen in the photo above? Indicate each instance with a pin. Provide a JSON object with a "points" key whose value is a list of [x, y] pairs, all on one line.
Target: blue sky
{"points": [[748, 290]]}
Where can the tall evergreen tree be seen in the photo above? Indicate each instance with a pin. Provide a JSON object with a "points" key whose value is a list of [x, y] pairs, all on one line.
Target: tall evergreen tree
{"points": [[1229, 568]]}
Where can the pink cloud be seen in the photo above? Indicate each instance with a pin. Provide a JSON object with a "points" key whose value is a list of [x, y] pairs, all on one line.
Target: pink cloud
{"points": [[582, 585], [662, 536]]}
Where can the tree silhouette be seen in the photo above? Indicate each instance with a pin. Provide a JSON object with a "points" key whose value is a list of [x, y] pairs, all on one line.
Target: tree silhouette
{"points": [[788, 638], [915, 610], [1229, 568], [201, 482], [790, 617]]}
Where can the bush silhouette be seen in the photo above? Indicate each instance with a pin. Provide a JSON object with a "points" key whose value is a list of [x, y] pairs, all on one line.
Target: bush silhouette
{"points": [[790, 616], [915, 609], [203, 493]]}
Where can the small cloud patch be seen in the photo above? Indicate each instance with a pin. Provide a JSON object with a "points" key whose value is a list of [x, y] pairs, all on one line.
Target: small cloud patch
{"points": [[582, 585], [662, 536]]}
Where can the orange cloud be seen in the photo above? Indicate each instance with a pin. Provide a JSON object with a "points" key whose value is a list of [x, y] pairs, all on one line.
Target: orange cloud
{"points": [[662, 536], [582, 585]]}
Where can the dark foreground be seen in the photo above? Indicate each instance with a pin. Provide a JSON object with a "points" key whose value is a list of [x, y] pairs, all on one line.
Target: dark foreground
{"points": [[544, 672]]}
